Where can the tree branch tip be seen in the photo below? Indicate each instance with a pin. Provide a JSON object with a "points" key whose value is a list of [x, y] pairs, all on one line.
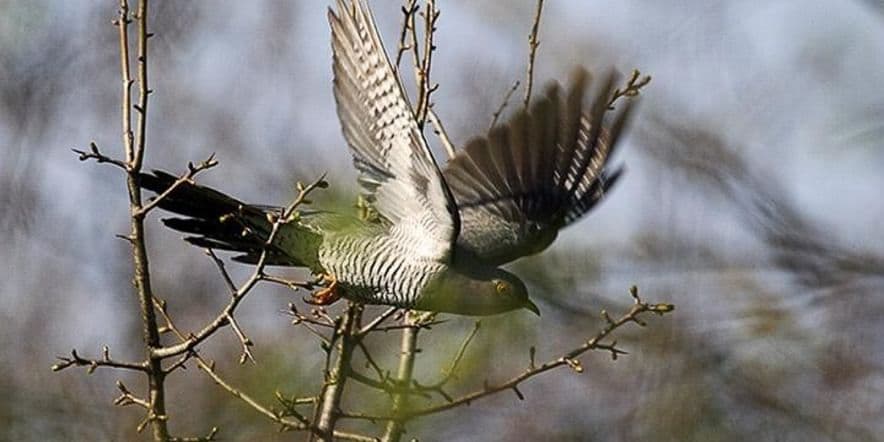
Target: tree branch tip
{"points": [[574, 364], [662, 308], [633, 291]]}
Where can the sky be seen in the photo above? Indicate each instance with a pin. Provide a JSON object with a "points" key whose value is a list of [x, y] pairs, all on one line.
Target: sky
{"points": [[792, 86]]}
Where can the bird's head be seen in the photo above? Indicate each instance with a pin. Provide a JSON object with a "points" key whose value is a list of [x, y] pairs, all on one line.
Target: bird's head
{"points": [[475, 293]]}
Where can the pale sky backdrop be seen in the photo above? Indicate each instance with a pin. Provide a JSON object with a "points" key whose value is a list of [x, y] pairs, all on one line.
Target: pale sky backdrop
{"points": [[794, 87]]}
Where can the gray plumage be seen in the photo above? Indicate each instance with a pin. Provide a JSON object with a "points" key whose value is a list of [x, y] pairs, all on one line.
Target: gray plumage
{"points": [[542, 170], [441, 234]]}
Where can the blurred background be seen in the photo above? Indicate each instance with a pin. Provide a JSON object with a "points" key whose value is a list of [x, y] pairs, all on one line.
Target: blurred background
{"points": [[752, 201]]}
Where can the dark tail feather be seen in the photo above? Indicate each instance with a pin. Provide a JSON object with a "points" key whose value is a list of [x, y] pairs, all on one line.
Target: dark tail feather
{"points": [[217, 221]]}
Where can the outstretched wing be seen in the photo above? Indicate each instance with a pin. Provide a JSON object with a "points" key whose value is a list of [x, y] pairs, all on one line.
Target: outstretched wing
{"points": [[538, 172], [397, 169]]}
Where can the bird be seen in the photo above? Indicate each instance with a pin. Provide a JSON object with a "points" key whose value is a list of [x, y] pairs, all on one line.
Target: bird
{"points": [[442, 233]]}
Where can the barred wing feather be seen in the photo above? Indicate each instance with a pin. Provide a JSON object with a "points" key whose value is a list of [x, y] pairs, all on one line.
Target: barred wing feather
{"points": [[397, 170], [540, 171]]}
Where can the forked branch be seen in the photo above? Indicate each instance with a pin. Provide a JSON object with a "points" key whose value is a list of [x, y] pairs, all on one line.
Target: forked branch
{"points": [[569, 359]]}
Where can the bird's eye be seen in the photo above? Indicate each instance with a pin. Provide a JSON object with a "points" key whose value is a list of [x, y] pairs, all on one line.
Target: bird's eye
{"points": [[502, 287]]}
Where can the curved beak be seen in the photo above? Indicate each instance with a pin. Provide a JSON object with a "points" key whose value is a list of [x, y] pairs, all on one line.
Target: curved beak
{"points": [[532, 307]]}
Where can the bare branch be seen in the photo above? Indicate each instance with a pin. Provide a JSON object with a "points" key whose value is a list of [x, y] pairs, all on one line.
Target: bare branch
{"points": [[452, 369], [423, 65], [328, 408], [207, 438], [92, 364], [134, 151], [237, 294], [533, 43], [567, 359], [95, 154], [290, 283], [408, 11], [395, 428], [506, 98], [285, 424], [192, 170], [440, 132], [127, 398], [245, 342], [633, 86], [377, 321]]}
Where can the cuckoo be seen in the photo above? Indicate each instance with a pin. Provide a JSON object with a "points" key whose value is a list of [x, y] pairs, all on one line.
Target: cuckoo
{"points": [[441, 233]]}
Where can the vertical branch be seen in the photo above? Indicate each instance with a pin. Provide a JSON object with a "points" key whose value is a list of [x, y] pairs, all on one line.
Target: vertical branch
{"points": [[440, 132], [423, 65], [143, 90], [533, 43], [134, 147], [122, 23], [408, 11], [328, 407], [395, 428]]}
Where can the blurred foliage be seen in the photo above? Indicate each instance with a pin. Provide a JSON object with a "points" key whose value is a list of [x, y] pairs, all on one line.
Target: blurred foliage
{"points": [[747, 202]]}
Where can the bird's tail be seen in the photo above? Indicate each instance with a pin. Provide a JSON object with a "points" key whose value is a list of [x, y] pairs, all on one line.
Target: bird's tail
{"points": [[217, 221]]}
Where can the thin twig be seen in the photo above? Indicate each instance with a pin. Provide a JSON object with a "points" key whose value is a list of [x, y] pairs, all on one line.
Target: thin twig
{"points": [[192, 170], [237, 294], [533, 43], [75, 360], [424, 325], [290, 283], [633, 86], [209, 369], [126, 398], [245, 342], [423, 65], [95, 154], [207, 438], [408, 10], [440, 132], [506, 99], [458, 357], [567, 359], [377, 321], [370, 360]]}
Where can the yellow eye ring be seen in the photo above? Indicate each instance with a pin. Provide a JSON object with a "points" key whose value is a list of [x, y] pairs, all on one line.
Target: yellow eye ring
{"points": [[502, 287]]}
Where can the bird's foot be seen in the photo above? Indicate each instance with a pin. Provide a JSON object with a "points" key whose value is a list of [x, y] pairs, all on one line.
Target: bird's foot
{"points": [[326, 295]]}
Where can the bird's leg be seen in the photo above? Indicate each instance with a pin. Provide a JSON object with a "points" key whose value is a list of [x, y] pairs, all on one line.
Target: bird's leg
{"points": [[327, 294]]}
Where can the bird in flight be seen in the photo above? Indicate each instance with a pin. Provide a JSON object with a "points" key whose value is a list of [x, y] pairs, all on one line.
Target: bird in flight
{"points": [[441, 233]]}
